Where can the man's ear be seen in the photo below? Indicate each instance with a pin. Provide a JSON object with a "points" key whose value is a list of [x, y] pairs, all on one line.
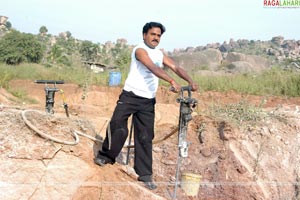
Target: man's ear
{"points": [[144, 36]]}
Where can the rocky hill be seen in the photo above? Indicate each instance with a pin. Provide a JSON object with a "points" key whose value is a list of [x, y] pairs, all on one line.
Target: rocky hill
{"points": [[241, 56]]}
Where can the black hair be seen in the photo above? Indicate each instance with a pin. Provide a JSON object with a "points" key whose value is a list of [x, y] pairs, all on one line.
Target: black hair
{"points": [[150, 25]]}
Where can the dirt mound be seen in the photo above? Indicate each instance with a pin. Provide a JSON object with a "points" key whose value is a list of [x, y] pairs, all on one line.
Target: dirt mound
{"points": [[246, 161], [6, 97]]}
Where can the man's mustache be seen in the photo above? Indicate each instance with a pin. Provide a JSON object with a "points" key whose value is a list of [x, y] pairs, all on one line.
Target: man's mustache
{"points": [[154, 40]]}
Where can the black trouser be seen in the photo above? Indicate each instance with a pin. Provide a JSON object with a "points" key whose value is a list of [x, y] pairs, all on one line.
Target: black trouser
{"points": [[143, 113]]}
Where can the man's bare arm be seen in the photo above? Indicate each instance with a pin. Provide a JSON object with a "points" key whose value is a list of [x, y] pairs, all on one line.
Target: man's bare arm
{"points": [[142, 56], [179, 71]]}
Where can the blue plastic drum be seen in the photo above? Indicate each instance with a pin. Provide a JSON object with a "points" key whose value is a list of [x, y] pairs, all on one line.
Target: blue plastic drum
{"points": [[114, 78]]}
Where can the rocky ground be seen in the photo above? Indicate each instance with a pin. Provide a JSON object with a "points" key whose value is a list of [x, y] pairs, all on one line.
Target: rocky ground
{"points": [[243, 160]]}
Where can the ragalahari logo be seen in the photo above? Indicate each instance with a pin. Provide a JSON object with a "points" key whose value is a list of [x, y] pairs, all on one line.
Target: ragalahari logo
{"points": [[282, 3]]}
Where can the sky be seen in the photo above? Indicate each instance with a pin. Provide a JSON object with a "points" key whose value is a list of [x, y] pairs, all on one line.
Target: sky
{"points": [[189, 23]]}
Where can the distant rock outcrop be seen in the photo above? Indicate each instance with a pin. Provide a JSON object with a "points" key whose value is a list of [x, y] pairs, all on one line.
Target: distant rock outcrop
{"points": [[239, 56], [3, 20], [246, 63], [206, 59], [3, 28]]}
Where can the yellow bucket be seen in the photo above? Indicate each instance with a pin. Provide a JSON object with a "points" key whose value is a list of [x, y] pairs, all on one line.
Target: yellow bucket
{"points": [[190, 183]]}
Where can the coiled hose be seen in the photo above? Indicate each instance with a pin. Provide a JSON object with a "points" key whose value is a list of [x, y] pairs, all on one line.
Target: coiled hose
{"points": [[47, 136]]}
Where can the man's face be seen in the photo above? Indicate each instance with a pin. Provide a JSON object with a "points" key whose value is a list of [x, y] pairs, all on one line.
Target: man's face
{"points": [[152, 37]]}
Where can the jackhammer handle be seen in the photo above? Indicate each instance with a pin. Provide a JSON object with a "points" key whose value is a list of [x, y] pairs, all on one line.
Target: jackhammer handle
{"points": [[186, 88], [49, 81]]}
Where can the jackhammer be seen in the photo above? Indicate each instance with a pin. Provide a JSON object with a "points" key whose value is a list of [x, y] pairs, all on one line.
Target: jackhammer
{"points": [[185, 111], [50, 93]]}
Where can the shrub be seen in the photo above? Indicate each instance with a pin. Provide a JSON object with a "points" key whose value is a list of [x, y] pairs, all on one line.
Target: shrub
{"points": [[16, 47]]}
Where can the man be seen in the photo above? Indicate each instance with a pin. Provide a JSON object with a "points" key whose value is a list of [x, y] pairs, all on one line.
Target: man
{"points": [[138, 99]]}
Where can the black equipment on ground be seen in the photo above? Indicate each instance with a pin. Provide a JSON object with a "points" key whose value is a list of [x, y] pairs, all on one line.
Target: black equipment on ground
{"points": [[50, 81], [185, 115], [129, 143], [50, 94]]}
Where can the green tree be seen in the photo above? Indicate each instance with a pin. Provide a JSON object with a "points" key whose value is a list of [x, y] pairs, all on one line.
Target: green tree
{"points": [[16, 47], [8, 25], [123, 59], [69, 46], [43, 30], [55, 53], [121, 55], [58, 55], [69, 34], [89, 50]]}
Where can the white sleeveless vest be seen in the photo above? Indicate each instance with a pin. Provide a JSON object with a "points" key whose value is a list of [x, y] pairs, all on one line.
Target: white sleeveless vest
{"points": [[141, 81]]}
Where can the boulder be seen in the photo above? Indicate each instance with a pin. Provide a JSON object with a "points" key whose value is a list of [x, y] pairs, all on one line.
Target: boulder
{"points": [[277, 40], [255, 63], [240, 67], [208, 58]]}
